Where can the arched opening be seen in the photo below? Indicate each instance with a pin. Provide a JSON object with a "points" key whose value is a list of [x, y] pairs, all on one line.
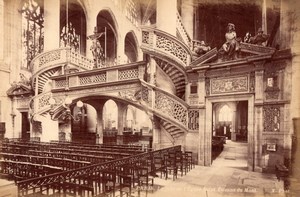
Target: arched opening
{"points": [[72, 26], [107, 40], [83, 124], [110, 122], [131, 48]]}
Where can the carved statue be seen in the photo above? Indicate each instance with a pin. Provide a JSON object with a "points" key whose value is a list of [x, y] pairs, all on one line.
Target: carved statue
{"points": [[260, 38], [98, 53], [200, 48], [231, 46]]}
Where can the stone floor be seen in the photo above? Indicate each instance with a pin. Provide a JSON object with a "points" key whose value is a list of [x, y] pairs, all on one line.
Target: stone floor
{"points": [[228, 176]]}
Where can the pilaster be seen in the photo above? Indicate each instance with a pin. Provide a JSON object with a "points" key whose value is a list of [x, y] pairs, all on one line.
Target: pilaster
{"points": [[259, 81]]}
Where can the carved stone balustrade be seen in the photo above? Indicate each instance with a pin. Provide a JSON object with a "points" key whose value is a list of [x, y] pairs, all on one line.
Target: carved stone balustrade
{"points": [[49, 59], [164, 45], [100, 76]]}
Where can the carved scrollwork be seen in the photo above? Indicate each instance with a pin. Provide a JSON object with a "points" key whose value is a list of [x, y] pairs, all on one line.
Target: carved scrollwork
{"points": [[171, 47], [171, 108], [193, 117]]}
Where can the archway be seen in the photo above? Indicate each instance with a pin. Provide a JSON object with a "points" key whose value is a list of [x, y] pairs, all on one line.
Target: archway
{"points": [[131, 47], [72, 26], [106, 27]]}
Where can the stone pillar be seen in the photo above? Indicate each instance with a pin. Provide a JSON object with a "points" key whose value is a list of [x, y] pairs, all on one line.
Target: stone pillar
{"points": [[51, 22], [259, 81], [233, 128], [255, 139], [187, 16], [122, 109], [99, 128], [253, 142], [166, 15], [264, 16], [156, 132], [204, 143], [151, 71], [121, 57], [201, 88]]}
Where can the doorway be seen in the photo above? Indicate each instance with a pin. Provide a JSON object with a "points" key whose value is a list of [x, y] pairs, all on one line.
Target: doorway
{"points": [[25, 129], [229, 132]]}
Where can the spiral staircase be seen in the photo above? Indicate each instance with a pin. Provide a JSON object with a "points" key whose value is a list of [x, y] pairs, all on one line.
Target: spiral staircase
{"points": [[171, 54]]}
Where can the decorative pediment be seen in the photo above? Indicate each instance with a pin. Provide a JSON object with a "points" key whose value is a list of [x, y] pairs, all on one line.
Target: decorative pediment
{"points": [[247, 52], [19, 89]]}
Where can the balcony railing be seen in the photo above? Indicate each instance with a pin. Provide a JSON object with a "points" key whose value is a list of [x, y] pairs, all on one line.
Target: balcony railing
{"points": [[60, 56], [163, 44], [100, 76]]}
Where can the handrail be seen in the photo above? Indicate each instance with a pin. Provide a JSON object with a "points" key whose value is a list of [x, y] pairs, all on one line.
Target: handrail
{"points": [[182, 30], [165, 44], [169, 105], [41, 102], [59, 56], [33, 184]]}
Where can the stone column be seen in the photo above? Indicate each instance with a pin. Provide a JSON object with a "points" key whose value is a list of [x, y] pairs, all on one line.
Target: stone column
{"points": [[156, 132], [51, 24], [264, 16], [151, 70], [166, 15], [233, 131], [187, 16], [255, 138], [204, 153], [122, 109], [99, 128]]}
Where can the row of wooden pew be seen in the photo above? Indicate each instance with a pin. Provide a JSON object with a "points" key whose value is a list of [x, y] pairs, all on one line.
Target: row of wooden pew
{"points": [[120, 177], [20, 160]]}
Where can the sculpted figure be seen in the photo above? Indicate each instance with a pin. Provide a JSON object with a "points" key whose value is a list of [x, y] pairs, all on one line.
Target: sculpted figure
{"points": [[260, 38], [200, 48], [231, 46]]}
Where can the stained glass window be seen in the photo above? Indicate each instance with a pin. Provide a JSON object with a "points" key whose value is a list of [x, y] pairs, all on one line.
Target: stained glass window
{"points": [[32, 30]]}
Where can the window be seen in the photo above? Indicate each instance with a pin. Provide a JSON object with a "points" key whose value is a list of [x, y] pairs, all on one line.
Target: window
{"points": [[32, 30], [225, 114]]}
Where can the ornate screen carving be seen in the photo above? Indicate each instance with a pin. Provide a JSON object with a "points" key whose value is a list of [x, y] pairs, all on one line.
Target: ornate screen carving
{"points": [[271, 118]]}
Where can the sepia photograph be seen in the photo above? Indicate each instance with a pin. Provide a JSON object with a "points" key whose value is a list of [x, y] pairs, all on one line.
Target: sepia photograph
{"points": [[150, 98]]}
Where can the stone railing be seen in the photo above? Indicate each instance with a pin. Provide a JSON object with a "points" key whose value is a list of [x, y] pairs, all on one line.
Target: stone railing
{"points": [[36, 186], [100, 76], [160, 43], [182, 31], [165, 104], [41, 102], [49, 59]]}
